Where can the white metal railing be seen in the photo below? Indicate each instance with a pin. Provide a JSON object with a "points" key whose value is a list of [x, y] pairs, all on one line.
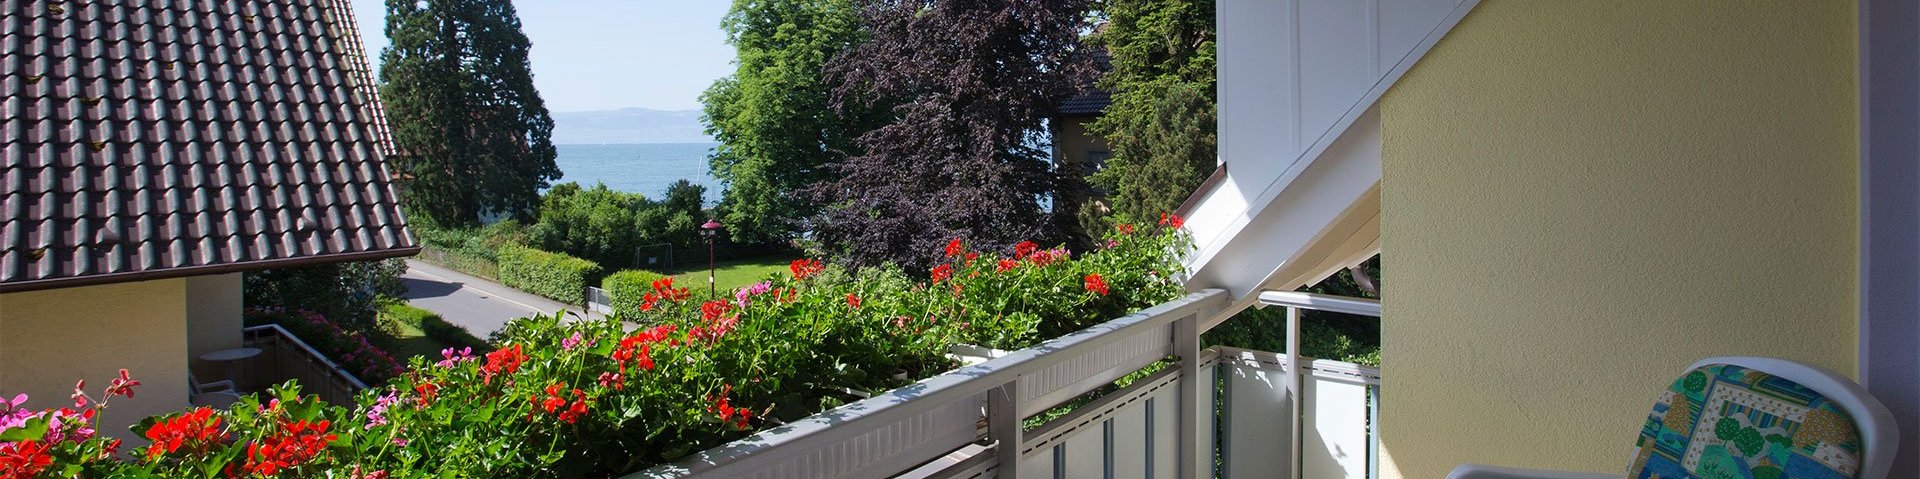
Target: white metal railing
{"points": [[968, 422], [599, 300], [897, 431]]}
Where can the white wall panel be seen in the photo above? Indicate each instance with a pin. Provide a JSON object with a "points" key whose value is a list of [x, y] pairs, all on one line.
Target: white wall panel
{"points": [[1130, 442], [1294, 76], [1257, 423], [1334, 438]]}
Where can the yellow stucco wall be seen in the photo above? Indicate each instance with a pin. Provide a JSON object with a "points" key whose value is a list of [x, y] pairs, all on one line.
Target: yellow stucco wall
{"points": [[1582, 198], [214, 307], [51, 338]]}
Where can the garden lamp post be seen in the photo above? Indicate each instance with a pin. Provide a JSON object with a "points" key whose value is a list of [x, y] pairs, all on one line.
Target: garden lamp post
{"points": [[709, 230]]}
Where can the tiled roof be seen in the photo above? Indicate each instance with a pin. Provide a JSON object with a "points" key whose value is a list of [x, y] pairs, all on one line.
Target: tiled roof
{"points": [[1091, 100], [1088, 103], [160, 138]]}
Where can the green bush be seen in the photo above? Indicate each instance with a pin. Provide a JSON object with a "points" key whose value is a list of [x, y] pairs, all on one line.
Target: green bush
{"points": [[549, 274], [626, 288], [344, 292]]}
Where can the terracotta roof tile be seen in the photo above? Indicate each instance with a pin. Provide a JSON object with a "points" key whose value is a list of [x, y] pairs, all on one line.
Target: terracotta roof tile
{"points": [[162, 138]]}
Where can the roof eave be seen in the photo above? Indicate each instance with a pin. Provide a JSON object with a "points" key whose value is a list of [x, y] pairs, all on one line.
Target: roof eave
{"points": [[222, 268]]}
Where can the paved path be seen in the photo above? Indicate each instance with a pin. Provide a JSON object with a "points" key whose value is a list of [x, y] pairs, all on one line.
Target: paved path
{"points": [[478, 304]]}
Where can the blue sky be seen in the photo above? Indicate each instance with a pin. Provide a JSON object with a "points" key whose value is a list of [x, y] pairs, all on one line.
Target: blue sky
{"points": [[608, 54]]}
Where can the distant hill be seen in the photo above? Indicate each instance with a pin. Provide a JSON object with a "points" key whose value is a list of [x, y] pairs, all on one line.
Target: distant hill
{"points": [[628, 125]]}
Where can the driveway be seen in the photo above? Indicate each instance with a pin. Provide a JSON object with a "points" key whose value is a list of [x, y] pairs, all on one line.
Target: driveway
{"points": [[478, 304]]}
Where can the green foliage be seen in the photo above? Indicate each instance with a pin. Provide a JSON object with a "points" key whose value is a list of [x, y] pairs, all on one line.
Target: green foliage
{"points": [[776, 129], [676, 219], [479, 242], [470, 250], [554, 275], [595, 223], [608, 226], [347, 292], [1160, 126], [598, 398], [626, 288], [1336, 336], [472, 134], [430, 325]]}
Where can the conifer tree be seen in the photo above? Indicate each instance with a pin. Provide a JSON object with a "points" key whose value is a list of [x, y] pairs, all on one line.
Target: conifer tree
{"points": [[1160, 126], [472, 134]]}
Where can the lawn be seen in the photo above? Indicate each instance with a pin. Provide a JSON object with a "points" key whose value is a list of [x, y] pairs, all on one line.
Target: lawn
{"points": [[732, 274], [407, 340], [407, 331]]}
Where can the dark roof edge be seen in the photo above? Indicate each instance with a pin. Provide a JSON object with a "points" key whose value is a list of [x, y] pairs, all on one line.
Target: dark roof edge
{"points": [[170, 273], [1206, 187]]}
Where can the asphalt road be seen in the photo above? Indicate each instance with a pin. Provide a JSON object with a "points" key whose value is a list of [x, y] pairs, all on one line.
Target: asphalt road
{"points": [[480, 305]]}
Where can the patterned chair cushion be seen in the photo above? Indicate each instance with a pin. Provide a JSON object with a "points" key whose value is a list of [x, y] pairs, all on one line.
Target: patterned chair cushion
{"points": [[1729, 422]]}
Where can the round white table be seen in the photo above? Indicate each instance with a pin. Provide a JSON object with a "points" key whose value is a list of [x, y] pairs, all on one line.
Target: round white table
{"points": [[231, 357]]}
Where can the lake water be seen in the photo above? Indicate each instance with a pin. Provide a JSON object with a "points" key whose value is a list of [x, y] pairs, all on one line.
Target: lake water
{"points": [[642, 168]]}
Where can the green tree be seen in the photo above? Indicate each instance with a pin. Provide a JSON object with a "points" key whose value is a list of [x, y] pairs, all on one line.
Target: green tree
{"points": [[472, 135], [772, 118], [596, 223], [1160, 126], [677, 219]]}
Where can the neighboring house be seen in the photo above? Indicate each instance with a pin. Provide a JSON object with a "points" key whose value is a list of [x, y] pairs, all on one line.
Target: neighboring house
{"points": [[154, 151], [1072, 143]]}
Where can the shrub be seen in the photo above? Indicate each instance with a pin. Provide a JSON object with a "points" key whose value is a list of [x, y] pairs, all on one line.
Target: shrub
{"points": [[627, 288], [595, 223], [554, 275], [345, 292]]}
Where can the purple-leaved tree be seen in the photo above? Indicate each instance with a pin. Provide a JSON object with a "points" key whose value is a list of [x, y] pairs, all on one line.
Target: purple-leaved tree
{"points": [[965, 152]]}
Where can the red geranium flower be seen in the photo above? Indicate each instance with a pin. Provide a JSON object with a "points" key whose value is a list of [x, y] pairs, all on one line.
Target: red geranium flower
{"points": [[122, 385], [853, 301], [954, 248], [712, 310], [803, 268], [1171, 221], [23, 460], [197, 430], [502, 361], [1020, 251], [648, 300], [1096, 285], [1006, 265], [942, 272], [1124, 228], [426, 391], [297, 443]]}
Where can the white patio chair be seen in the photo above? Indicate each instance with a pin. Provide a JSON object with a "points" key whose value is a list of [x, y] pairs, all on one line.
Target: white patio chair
{"points": [[218, 394], [1743, 414]]}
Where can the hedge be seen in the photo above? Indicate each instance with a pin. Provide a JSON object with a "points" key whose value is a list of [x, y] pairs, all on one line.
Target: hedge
{"points": [[544, 273], [627, 288], [458, 261]]}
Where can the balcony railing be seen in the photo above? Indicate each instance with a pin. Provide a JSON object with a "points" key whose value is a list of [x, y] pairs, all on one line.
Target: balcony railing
{"points": [[284, 356], [968, 422]]}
